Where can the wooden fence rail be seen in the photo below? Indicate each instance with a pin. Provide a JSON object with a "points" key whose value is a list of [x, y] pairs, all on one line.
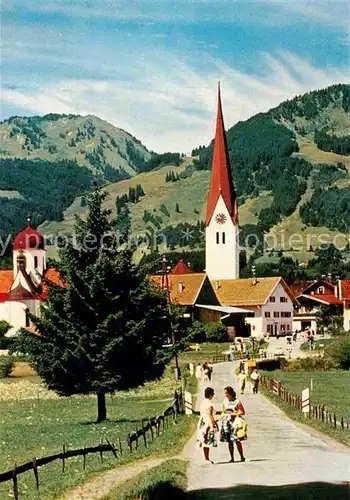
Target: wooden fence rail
{"points": [[318, 412], [154, 425]]}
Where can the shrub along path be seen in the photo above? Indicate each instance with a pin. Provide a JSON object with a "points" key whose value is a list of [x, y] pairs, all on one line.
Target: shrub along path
{"points": [[278, 451]]}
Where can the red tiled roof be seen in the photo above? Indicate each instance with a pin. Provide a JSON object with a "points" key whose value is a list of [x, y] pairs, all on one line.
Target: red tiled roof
{"points": [[183, 288], [299, 286], [6, 280], [345, 289], [53, 276], [221, 182], [181, 268], [328, 299]]}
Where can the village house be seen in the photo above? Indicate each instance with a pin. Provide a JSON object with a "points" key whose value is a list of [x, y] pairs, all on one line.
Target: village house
{"points": [[344, 296], [312, 295]]}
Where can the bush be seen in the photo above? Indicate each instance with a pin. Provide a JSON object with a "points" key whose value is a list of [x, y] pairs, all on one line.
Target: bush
{"points": [[339, 351], [6, 366], [4, 341], [196, 332], [310, 365], [215, 332], [271, 364]]}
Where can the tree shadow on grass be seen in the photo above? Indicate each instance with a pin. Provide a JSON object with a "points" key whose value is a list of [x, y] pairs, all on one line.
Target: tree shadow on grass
{"points": [[304, 491]]}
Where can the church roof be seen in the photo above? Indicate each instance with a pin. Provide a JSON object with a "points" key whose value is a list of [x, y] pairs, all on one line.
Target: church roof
{"points": [[20, 293], [27, 238], [221, 182], [6, 280], [181, 268], [242, 292], [184, 288], [345, 289]]}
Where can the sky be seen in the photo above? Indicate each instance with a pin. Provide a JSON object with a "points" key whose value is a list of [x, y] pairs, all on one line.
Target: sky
{"points": [[151, 67]]}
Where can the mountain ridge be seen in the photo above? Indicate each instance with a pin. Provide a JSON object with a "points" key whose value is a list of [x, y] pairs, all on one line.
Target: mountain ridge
{"points": [[276, 161]]}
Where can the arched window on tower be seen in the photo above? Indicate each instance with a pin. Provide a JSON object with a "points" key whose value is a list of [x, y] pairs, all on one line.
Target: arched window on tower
{"points": [[27, 318], [217, 238], [35, 262], [223, 238]]}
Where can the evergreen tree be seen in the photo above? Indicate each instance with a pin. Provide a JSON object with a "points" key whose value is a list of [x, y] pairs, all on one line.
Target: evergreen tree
{"points": [[105, 329]]}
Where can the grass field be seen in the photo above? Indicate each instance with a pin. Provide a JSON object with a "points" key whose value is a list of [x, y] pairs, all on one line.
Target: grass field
{"points": [[206, 353], [329, 389], [165, 481], [320, 344], [36, 422]]}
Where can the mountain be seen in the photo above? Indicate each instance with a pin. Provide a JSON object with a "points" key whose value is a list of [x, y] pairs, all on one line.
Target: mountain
{"points": [[290, 166]]}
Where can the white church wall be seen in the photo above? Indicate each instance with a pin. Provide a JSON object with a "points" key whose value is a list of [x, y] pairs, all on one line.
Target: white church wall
{"points": [[221, 246], [35, 259]]}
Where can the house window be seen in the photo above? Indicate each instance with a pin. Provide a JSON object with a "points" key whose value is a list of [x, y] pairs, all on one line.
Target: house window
{"points": [[283, 328], [217, 238], [320, 290], [269, 329], [27, 318], [267, 314], [286, 314], [223, 238], [276, 314], [35, 261], [283, 299], [272, 299], [288, 327]]}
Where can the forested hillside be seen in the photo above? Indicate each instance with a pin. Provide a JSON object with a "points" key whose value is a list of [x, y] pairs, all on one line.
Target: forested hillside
{"points": [[290, 166]]}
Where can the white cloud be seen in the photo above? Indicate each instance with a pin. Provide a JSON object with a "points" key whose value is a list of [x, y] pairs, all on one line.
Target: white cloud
{"points": [[170, 106]]}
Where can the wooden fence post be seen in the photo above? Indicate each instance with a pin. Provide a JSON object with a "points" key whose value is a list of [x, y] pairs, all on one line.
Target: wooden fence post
{"points": [[335, 421], [112, 448], [36, 475], [120, 446], [129, 442], [15, 483], [342, 423], [101, 454], [84, 458], [63, 457], [151, 427], [144, 435]]}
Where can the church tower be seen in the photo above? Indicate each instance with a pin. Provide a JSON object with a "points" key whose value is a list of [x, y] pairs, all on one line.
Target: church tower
{"points": [[221, 233]]}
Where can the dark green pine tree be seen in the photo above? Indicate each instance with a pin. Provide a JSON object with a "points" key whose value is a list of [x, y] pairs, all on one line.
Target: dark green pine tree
{"points": [[105, 329]]}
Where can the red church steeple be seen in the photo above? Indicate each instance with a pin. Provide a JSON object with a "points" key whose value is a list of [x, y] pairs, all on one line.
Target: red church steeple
{"points": [[221, 182]]}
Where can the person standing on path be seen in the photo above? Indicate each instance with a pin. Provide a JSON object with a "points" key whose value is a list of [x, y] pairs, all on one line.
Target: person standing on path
{"points": [[255, 378], [242, 377], [207, 425], [198, 372], [232, 409]]}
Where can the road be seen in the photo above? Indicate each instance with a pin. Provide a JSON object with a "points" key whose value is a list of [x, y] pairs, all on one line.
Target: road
{"points": [[278, 452]]}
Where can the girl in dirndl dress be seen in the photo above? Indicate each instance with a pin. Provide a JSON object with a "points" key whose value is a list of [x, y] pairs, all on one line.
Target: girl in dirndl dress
{"points": [[207, 425], [231, 411]]}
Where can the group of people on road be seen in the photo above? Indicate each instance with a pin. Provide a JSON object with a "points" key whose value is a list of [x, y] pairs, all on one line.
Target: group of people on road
{"points": [[254, 378], [204, 372], [231, 426]]}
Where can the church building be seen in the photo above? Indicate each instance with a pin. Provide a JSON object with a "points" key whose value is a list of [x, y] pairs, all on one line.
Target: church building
{"points": [[22, 289], [264, 305]]}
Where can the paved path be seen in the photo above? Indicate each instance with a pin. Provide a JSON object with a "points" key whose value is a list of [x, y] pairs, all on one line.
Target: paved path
{"points": [[278, 451]]}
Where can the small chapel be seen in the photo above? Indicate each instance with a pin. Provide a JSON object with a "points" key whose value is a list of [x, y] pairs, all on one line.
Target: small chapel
{"points": [[22, 289]]}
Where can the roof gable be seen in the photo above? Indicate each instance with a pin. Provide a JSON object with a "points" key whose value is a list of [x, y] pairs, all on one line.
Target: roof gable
{"points": [[243, 292], [184, 288], [181, 268]]}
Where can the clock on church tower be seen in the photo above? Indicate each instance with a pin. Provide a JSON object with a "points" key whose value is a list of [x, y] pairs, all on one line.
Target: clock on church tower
{"points": [[220, 218]]}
